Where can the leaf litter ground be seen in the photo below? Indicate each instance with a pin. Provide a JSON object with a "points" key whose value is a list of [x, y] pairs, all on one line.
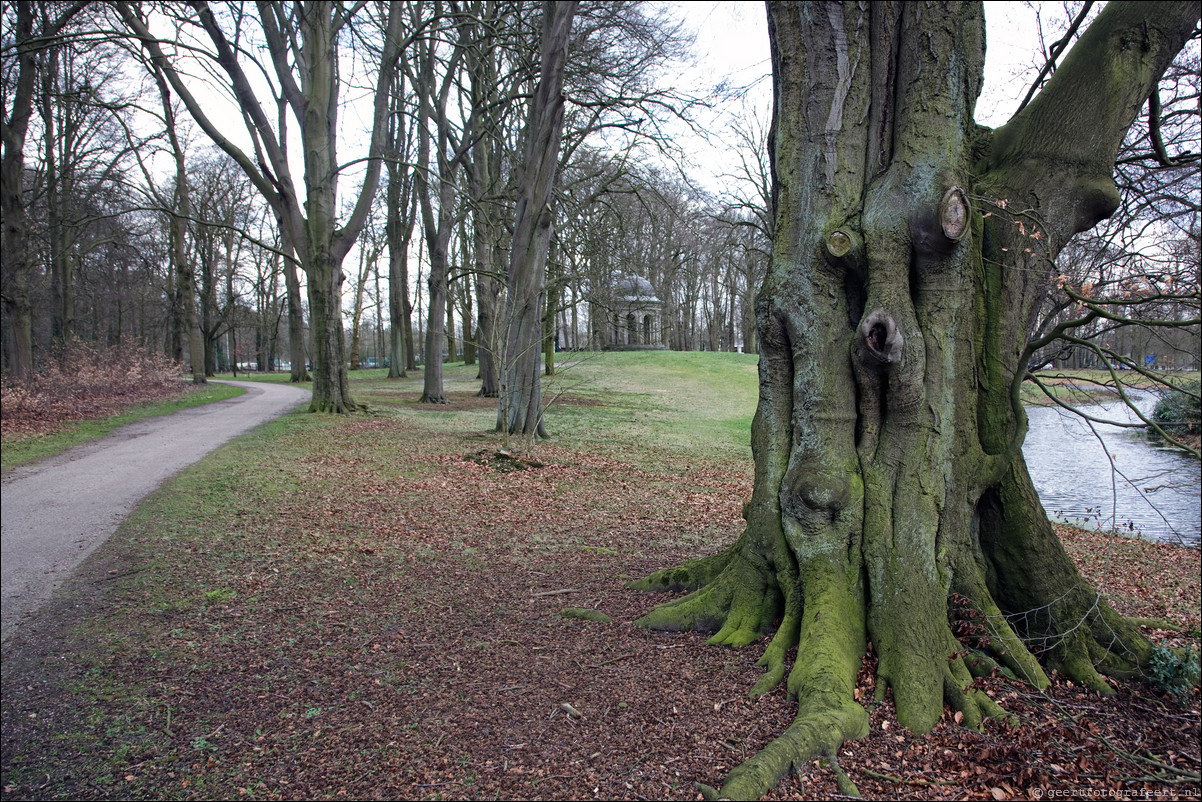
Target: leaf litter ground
{"points": [[370, 608]]}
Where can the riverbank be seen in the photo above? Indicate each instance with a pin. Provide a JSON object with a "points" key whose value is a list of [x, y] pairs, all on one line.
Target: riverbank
{"points": [[1092, 386], [1141, 578], [1079, 388]]}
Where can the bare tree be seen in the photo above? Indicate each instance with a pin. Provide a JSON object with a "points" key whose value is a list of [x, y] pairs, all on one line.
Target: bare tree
{"points": [[520, 406], [27, 41], [401, 211], [303, 42], [441, 150]]}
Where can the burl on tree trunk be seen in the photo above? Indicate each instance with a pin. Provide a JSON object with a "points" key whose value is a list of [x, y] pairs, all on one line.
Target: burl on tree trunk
{"points": [[890, 486]]}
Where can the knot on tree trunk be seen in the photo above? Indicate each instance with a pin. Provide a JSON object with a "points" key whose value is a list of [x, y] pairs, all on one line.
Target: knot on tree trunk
{"points": [[879, 342]]}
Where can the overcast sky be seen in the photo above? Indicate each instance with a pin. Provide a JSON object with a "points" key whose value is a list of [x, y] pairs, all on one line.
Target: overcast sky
{"points": [[732, 44]]}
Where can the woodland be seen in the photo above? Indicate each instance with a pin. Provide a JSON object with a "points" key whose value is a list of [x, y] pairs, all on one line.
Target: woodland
{"points": [[900, 270]]}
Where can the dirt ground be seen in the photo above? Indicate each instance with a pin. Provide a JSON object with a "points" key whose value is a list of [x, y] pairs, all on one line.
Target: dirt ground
{"points": [[394, 629]]}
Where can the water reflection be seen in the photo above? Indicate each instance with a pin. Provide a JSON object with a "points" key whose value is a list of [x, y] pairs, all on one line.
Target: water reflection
{"points": [[1140, 487]]}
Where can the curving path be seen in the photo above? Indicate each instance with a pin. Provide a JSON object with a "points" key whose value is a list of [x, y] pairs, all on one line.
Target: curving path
{"points": [[55, 513]]}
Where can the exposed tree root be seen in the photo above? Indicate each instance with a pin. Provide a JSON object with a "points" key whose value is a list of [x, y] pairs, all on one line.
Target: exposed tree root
{"points": [[1050, 605], [819, 605], [340, 407], [739, 602], [821, 726]]}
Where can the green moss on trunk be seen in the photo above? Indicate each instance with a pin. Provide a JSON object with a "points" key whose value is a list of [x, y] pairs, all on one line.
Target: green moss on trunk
{"points": [[887, 441]]}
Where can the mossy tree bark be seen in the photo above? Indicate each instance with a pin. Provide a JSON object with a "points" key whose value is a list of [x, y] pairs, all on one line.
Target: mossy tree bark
{"points": [[910, 248]]}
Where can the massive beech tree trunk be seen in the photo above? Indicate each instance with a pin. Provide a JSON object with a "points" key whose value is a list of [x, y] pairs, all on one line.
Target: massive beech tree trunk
{"points": [[910, 248]]}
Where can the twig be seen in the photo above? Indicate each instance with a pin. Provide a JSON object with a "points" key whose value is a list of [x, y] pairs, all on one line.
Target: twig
{"points": [[554, 592], [905, 781], [1151, 761], [111, 577], [612, 660]]}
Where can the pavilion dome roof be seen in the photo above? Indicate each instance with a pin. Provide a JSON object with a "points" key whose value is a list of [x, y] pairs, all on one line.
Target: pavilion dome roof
{"points": [[633, 287]]}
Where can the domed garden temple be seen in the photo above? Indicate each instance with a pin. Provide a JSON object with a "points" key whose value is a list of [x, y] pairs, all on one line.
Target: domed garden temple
{"points": [[628, 316]]}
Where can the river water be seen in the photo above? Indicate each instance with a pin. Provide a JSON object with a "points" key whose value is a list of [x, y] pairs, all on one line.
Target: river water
{"points": [[1108, 477]]}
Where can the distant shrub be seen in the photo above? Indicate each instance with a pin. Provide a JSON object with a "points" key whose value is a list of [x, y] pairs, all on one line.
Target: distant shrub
{"points": [[81, 381], [1180, 406], [1174, 673]]}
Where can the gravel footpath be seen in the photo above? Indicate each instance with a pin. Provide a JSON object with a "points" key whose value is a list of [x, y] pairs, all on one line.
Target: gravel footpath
{"points": [[56, 512]]}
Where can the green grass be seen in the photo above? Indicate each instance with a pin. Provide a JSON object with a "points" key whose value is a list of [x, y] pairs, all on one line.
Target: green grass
{"points": [[681, 402], [687, 403], [21, 450]]}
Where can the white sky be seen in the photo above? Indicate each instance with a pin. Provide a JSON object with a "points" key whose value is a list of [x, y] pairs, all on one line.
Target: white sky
{"points": [[732, 47], [732, 44]]}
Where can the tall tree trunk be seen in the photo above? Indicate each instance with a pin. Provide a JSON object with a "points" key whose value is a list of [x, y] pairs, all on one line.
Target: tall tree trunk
{"points": [[186, 330], [437, 223], [909, 248], [18, 309], [436, 326], [366, 265], [303, 46], [467, 287], [297, 352], [397, 351], [331, 384], [452, 352], [520, 404], [400, 201], [488, 288], [400, 342]]}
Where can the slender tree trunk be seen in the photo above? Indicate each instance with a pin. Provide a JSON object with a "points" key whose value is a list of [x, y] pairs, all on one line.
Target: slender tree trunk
{"points": [[488, 287], [297, 352], [400, 201], [185, 324], [400, 343], [452, 353], [400, 348], [437, 224], [466, 314], [520, 405], [436, 332], [366, 262], [552, 304]]}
